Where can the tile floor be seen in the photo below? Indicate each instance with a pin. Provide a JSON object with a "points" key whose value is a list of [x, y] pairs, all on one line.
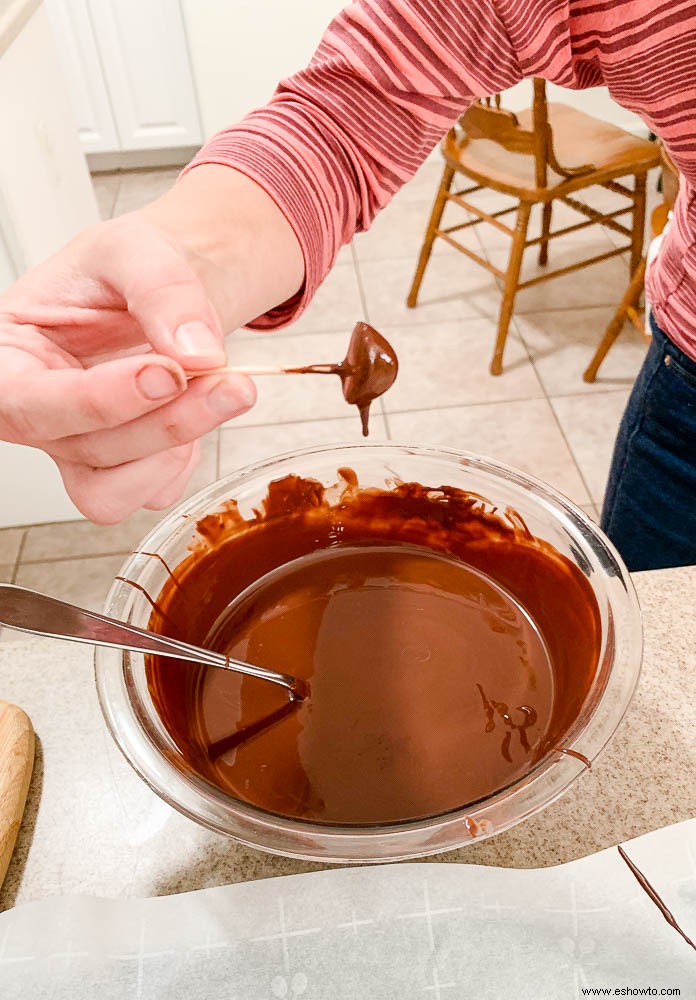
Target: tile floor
{"points": [[539, 415]]}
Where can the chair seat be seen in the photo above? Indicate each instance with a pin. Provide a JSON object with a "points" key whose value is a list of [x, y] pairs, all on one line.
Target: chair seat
{"points": [[578, 140]]}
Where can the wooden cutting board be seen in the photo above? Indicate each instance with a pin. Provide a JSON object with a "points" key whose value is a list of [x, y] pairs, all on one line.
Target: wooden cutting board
{"points": [[16, 763]]}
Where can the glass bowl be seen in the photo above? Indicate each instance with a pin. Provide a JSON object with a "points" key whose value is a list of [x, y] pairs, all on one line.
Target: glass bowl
{"points": [[139, 732]]}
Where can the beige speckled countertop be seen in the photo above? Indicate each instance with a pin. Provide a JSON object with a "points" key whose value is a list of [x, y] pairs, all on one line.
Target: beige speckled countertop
{"points": [[92, 827]]}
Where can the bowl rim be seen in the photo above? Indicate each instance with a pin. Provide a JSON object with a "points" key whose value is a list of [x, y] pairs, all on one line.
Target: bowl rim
{"points": [[138, 748]]}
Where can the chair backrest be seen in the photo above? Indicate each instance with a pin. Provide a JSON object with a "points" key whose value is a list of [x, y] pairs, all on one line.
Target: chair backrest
{"points": [[486, 119]]}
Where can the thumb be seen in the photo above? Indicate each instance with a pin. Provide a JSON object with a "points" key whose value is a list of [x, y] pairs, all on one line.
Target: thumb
{"points": [[159, 287]]}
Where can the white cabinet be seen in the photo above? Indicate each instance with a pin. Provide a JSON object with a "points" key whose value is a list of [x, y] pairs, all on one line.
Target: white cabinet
{"points": [[46, 197], [128, 69], [82, 67]]}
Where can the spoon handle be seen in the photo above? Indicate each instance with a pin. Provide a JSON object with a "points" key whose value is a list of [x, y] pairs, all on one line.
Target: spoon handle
{"points": [[29, 611]]}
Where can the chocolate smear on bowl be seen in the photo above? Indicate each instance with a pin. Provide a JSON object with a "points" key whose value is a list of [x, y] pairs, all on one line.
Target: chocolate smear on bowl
{"points": [[446, 649]]}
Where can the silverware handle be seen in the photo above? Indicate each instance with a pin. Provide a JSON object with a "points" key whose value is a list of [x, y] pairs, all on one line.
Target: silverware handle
{"points": [[29, 611]]}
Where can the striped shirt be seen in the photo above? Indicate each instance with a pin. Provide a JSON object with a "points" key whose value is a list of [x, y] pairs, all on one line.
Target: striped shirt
{"points": [[340, 137]]}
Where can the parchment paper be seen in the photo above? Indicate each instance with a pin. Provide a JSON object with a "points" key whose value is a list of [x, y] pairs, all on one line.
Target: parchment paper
{"points": [[395, 931]]}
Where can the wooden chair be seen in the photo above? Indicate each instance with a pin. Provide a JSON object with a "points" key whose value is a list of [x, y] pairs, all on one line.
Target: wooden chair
{"points": [[629, 309], [539, 156]]}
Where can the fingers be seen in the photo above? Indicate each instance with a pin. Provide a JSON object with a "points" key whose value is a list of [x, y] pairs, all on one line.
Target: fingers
{"points": [[40, 405], [175, 490], [160, 288], [206, 404], [107, 496]]}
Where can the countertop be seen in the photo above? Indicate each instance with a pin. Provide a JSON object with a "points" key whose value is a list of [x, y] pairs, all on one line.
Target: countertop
{"points": [[93, 827]]}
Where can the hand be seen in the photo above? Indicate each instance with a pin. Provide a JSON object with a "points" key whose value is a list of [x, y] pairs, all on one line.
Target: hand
{"points": [[96, 344]]}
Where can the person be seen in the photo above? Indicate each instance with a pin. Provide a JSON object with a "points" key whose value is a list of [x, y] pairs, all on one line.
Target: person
{"points": [[96, 343]]}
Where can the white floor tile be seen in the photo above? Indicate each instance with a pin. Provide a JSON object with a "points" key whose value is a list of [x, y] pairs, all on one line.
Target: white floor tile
{"points": [[446, 364], [106, 189], [84, 582], [598, 285], [139, 187], [561, 344], [336, 306], [399, 231], [10, 542], [562, 216], [453, 286], [522, 434], [255, 444], [590, 423]]}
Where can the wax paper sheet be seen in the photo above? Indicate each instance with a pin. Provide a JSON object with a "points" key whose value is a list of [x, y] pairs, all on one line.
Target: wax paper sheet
{"points": [[394, 931]]}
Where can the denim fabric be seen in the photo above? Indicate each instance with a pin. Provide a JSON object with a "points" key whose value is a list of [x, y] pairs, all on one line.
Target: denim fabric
{"points": [[650, 505]]}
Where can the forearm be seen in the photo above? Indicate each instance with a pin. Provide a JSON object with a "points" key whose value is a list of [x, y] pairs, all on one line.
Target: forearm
{"points": [[236, 238]]}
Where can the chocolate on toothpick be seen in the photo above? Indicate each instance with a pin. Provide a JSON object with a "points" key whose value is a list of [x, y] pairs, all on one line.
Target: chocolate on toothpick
{"points": [[367, 371]]}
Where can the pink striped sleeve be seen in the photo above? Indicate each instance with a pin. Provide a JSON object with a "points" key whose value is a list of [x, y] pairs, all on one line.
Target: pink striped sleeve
{"points": [[341, 136]]}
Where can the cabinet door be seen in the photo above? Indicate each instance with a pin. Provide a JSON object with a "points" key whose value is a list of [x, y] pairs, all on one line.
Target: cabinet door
{"points": [[146, 64], [79, 57]]}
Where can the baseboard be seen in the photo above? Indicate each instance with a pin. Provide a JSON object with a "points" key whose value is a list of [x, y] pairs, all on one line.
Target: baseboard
{"points": [[140, 159]]}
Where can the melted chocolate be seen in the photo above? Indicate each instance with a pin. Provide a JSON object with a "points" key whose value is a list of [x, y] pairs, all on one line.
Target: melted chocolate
{"points": [[446, 650], [655, 897], [367, 371], [578, 756]]}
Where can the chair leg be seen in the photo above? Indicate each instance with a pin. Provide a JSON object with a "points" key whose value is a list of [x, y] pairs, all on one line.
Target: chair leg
{"points": [[426, 249], [630, 299], [511, 280], [638, 229], [545, 230]]}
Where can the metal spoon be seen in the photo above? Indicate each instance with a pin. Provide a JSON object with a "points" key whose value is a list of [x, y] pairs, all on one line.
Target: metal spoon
{"points": [[28, 611]]}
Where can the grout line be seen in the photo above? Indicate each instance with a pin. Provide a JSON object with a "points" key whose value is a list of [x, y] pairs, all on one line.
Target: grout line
{"points": [[278, 423], [461, 406], [597, 390], [117, 191], [590, 494], [548, 399], [18, 557], [385, 418], [592, 393]]}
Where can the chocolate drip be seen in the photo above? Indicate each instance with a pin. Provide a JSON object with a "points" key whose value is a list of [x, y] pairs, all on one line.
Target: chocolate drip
{"points": [[153, 604], [159, 558], [655, 897], [575, 753], [367, 371]]}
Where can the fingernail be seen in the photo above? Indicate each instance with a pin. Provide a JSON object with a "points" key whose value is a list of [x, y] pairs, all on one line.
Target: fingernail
{"points": [[156, 382], [196, 340], [231, 397]]}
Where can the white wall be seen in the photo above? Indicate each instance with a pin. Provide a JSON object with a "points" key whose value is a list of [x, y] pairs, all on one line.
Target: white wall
{"points": [[595, 101], [241, 48]]}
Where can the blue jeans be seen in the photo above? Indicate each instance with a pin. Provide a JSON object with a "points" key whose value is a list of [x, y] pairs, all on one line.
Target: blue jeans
{"points": [[650, 505]]}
